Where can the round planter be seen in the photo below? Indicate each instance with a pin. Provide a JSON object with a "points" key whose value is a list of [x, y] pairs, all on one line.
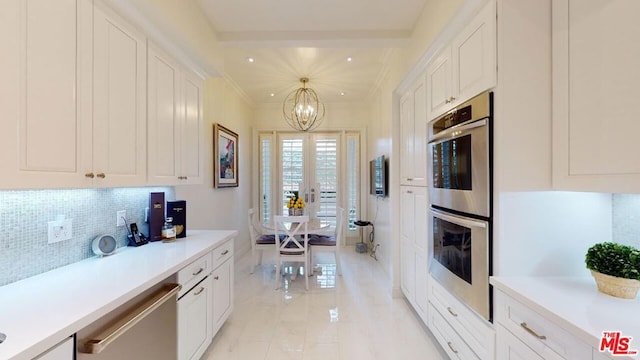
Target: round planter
{"points": [[616, 286]]}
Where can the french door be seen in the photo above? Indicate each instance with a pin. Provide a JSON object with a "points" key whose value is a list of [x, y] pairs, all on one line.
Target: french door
{"points": [[323, 168], [310, 167]]}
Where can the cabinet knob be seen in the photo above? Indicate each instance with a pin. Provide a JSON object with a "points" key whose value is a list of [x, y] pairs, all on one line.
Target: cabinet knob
{"points": [[216, 278], [451, 99], [89, 175], [101, 175], [446, 101]]}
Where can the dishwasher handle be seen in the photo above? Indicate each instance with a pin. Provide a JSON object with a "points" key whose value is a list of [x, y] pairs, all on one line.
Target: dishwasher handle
{"points": [[109, 335]]}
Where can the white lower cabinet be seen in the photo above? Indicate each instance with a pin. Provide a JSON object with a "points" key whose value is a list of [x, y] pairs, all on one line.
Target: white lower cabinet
{"points": [[524, 328], [194, 329], [204, 307], [62, 351], [452, 343], [222, 279], [509, 347], [473, 331]]}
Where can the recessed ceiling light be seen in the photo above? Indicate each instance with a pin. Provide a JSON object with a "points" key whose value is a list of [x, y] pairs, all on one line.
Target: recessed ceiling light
{"points": [[250, 60], [342, 93], [272, 94], [349, 59]]}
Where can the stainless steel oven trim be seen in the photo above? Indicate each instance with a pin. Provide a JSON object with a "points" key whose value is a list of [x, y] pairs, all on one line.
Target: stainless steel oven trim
{"points": [[457, 131], [474, 201], [475, 295]]}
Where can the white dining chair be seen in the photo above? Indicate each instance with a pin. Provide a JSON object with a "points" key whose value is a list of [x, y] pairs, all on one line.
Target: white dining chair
{"points": [[260, 240], [329, 243], [292, 244]]}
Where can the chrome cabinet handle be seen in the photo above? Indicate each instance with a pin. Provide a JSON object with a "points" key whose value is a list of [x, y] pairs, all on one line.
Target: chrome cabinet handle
{"points": [[101, 175], [111, 334], [452, 99], [409, 179], [199, 291], [409, 192], [216, 278], [89, 175], [452, 312], [197, 272], [224, 252], [452, 348], [532, 332]]}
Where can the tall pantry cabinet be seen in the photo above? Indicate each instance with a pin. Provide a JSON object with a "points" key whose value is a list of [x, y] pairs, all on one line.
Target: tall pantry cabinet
{"points": [[414, 197]]}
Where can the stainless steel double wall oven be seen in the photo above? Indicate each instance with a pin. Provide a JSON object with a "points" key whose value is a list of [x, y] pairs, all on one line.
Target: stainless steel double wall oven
{"points": [[460, 191]]}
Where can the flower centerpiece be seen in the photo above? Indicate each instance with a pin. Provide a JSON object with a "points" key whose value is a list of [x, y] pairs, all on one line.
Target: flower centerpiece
{"points": [[616, 268], [296, 205]]}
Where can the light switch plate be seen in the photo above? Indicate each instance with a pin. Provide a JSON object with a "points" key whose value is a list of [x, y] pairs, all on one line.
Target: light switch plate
{"points": [[59, 230]]}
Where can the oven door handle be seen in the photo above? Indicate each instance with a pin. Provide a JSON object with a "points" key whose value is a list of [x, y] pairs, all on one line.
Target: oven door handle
{"points": [[457, 131], [457, 219]]}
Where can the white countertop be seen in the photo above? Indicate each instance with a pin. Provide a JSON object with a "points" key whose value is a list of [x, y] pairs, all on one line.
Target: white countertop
{"points": [[38, 312], [576, 305]]}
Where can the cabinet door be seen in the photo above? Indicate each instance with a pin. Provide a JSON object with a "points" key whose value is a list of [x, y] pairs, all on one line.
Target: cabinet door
{"points": [[406, 138], [164, 118], [407, 228], [474, 56], [595, 94], [45, 91], [222, 294], [509, 347], [421, 287], [439, 84], [194, 325], [191, 139], [119, 106]]}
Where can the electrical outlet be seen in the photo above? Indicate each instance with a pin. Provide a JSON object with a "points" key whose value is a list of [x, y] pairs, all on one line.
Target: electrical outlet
{"points": [[59, 230], [121, 215]]}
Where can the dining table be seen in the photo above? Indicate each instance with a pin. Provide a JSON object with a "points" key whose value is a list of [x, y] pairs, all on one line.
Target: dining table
{"points": [[315, 226]]}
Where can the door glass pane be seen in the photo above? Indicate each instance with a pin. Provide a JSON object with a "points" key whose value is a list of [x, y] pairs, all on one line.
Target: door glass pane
{"points": [[353, 168], [326, 171], [292, 168], [265, 178]]}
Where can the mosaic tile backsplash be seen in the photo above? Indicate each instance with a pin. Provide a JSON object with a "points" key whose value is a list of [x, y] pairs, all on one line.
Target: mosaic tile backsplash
{"points": [[626, 219], [24, 249]]}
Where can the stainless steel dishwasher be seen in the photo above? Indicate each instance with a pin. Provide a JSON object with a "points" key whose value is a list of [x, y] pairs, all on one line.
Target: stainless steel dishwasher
{"points": [[143, 328]]}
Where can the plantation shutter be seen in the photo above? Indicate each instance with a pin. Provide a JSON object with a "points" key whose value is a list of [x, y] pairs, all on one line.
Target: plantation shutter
{"points": [[292, 162], [326, 174]]}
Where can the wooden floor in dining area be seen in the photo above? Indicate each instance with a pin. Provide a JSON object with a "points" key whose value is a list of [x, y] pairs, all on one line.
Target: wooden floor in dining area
{"points": [[352, 316]]}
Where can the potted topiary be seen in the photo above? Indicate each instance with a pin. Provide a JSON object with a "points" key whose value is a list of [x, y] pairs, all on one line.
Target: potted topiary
{"points": [[616, 269]]}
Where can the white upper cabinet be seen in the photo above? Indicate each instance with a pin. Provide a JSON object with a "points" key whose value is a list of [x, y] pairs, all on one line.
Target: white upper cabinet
{"points": [[75, 96], [413, 136], [466, 67], [595, 95], [119, 106], [175, 122], [45, 92]]}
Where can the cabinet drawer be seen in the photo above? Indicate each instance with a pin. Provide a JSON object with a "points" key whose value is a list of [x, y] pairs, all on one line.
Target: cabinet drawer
{"points": [[222, 253], [537, 332], [478, 334], [452, 343], [193, 273]]}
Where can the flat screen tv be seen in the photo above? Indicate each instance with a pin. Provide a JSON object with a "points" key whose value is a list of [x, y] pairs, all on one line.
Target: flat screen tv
{"points": [[378, 176]]}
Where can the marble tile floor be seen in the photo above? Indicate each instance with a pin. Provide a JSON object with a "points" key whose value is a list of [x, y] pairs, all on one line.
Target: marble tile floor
{"points": [[340, 317]]}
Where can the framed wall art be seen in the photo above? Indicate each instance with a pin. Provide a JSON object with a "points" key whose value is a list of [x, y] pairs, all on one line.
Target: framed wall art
{"points": [[225, 157]]}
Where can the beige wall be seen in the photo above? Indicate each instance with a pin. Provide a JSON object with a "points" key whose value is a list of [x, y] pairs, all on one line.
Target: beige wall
{"points": [[226, 208]]}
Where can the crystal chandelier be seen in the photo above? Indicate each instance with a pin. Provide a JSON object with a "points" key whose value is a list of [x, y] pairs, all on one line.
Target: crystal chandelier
{"points": [[302, 108]]}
